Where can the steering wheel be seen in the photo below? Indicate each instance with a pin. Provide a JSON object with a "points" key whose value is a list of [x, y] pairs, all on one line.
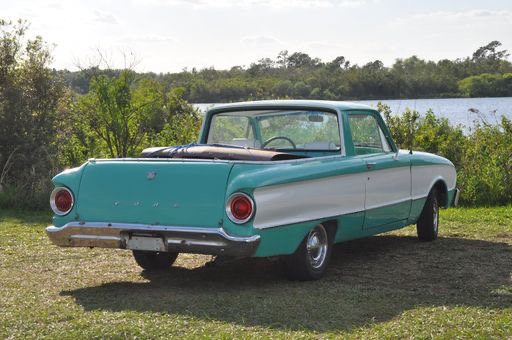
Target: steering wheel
{"points": [[270, 140]]}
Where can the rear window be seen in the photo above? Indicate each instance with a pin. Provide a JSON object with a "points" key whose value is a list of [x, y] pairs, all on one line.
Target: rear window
{"points": [[277, 130]]}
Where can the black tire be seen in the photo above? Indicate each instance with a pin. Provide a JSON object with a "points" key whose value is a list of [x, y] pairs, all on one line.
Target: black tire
{"points": [[428, 223], [154, 260], [310, 260]]}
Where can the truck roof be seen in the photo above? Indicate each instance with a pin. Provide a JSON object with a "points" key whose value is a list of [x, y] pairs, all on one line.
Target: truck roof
{"points": [[333, 105]]}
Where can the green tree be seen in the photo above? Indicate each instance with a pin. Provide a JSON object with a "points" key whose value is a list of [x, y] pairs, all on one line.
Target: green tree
{"points": [[490, 52], [403, 128], [436, 135], [302, 60], [120, 116], [487, 85], [338, 79], [29, 97], [121, 113], [182, 122]]}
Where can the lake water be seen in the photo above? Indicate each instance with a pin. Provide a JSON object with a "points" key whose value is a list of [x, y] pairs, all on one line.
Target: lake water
{"points": [[457, 110]]}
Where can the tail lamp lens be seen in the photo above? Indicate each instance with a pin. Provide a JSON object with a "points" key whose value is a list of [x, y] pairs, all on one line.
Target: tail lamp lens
{"points": [[240, 208], [61, 201]]}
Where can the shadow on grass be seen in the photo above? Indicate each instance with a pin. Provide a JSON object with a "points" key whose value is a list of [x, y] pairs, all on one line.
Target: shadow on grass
{"points": [[369, 281]]}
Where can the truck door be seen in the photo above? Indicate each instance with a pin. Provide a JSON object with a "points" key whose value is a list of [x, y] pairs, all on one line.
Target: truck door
{"points": [[388, 174]]}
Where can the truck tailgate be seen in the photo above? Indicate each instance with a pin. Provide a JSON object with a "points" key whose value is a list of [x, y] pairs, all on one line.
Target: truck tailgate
{"points": [[188, 193]]}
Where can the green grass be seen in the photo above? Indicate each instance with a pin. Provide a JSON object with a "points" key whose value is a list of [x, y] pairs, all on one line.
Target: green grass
{"points": [[381, 287]]}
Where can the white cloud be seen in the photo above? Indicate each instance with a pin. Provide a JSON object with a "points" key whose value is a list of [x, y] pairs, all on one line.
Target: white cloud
{"points": [[54, 5], [471, 14], [324, 45], [259, 40], [276, 4], [104, 17], [149, 38]]}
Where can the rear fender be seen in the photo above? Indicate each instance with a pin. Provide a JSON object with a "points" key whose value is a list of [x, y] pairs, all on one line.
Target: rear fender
{"points": [[71, 179]]}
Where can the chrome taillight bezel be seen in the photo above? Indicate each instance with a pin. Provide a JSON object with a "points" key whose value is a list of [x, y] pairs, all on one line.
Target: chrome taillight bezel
{"points": [[53, 205], [231, 217]]}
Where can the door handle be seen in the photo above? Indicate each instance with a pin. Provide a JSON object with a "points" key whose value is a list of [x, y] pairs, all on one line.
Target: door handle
{"points": [[370, 165]]}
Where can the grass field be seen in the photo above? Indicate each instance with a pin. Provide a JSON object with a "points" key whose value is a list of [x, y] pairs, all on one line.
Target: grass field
{"points": [[385, 286]]}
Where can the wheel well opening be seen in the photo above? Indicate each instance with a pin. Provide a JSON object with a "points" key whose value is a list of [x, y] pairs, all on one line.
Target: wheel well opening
{"points": [[442, 193], [331, 226]]}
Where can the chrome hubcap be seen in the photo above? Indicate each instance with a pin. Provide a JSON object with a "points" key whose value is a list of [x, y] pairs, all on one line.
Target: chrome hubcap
{"points": [[316, 245]]}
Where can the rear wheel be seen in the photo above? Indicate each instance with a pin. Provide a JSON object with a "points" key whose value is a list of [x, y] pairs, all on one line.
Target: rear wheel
{"points": [[154, 260], [428, 223], [310, 260]]}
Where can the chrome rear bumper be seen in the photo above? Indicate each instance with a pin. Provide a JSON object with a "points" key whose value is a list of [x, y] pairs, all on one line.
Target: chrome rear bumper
{"points": [[211, 241]]}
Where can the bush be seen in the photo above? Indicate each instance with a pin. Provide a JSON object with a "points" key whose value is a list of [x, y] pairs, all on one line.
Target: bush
{"points": [[487, 85], [483, 158], [485, 175], [29, 99]]}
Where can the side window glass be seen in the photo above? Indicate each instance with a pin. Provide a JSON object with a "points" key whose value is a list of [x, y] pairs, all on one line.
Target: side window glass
{"points": [[367, 136]]}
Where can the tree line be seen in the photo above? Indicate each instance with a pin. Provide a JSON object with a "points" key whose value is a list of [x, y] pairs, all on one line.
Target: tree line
{"points": [[487, 72], [51, 120]]}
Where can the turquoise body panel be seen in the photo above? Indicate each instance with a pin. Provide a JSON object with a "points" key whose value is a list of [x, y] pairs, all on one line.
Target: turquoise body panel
{"points": [[71, 179], [416, 209], [425, 158], [393, 213], [194, 192], [283, 240], [182, 193], [254, 175]]}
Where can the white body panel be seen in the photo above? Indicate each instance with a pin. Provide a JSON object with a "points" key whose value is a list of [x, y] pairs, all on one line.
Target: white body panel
{"points": [[388, 186], [424, 177], [309, 200], [297, 202]]}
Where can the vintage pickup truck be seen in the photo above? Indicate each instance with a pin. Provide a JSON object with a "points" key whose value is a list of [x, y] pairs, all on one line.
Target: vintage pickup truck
{"points": [[269, 178]]}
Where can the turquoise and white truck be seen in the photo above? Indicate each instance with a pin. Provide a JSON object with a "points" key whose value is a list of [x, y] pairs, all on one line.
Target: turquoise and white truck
{"points": [[269, 178]]}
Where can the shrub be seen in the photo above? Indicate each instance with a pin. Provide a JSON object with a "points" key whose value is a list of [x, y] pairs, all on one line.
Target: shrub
{"points": [[485, 175], [483, 158], [29, 98], [487, 85]]}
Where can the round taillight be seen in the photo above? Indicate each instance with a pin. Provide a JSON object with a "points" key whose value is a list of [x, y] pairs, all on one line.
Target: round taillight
{"points": [[240, 208], [61, 201]]}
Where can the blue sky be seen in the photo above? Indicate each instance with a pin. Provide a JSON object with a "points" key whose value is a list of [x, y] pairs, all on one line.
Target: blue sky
{"points": [[169, 35]]}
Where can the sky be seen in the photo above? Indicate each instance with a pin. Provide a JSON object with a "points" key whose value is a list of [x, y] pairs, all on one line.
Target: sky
{"points": [[171, 35]]}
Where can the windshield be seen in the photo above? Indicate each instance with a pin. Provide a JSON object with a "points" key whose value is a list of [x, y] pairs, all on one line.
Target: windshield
{"points": [[277, 130]]}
